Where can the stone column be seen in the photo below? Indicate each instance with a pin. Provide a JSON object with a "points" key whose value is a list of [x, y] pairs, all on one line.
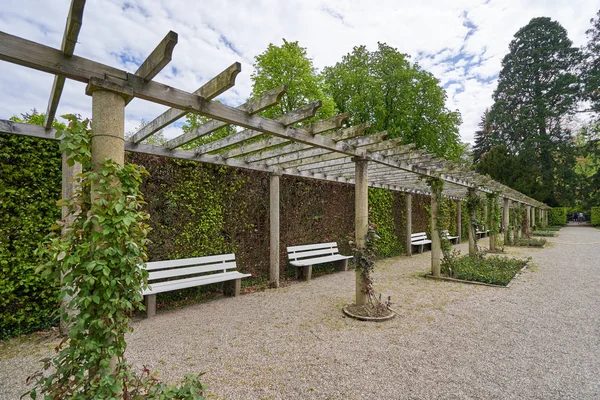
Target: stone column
{"points": [[108, 131], [506, 219], [69, 186], [436, 248], [485, 218], [472, 247], [494, 225], [361, 206], [458, 221], [529, 219], [517, 229], [408, 244], [274, 229]]}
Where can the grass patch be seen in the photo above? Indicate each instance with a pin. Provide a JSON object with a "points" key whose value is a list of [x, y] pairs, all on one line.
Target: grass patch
{"points": [[494, 270], [544, 233], [529, 242], [554, 228]]}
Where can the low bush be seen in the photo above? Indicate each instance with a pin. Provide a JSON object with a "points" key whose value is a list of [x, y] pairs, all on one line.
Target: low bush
{"points": [[595, 216], [553, 228], [495, 270], [557, 216], [529, 242], [544, 233]]}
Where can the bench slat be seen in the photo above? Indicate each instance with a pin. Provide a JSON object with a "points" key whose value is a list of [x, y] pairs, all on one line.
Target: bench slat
{"points": [[189, 261], [319, 260], [421, 242], [169, 273], [313, 253], [311, 247], [191, 282]]}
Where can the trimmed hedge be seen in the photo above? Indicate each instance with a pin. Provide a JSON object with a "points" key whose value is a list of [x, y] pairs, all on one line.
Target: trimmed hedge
{"points": [[557, 216], [596, 216]]}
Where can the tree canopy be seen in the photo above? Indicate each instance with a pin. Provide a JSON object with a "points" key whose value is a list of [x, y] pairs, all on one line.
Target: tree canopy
{"points": [[382, 87]]}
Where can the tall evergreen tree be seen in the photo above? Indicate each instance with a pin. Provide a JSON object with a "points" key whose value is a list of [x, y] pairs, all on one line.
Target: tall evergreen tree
{"points": [[483, 138], [591, 66], [536, 97]]}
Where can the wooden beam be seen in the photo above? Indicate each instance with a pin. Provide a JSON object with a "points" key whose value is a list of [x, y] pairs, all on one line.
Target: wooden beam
{"points": [[72, 28], [292, 117], [252, 106], [314, 128], [211, 89], [159, 58]]}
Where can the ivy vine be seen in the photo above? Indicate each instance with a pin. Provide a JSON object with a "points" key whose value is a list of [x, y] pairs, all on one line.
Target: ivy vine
{"points": [[99, 258], [442, 214], [473, 203]]}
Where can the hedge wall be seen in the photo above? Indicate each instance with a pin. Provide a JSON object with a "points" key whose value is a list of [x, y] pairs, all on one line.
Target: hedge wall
{"points": [[196, 209], [595, 216], [557, 216]]}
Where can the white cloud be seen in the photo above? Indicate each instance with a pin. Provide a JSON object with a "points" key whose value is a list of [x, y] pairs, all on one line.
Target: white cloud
{"points": [[215, 33]]}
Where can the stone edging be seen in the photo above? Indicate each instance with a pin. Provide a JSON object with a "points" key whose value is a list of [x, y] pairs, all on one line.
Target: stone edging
{"points": [[372, 319], [445, 278]]}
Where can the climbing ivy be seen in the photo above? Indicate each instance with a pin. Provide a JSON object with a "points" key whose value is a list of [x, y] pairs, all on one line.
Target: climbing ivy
{"points": [[98, 259], [474, 204], [494, 214], [381, 203], [443, 213]]}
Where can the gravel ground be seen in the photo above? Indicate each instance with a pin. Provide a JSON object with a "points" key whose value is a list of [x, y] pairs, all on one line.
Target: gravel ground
{"points": [[538, 339]]}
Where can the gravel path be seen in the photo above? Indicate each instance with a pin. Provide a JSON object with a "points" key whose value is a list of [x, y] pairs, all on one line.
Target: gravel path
{"points": [[538, 339]]}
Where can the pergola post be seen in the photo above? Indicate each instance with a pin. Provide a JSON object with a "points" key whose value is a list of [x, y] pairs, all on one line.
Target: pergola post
{"points": [[517, 229], [436, 248], [108, 139], [472, 247], [458, 221], [408, 224], [69, 186], [494, 225], [274, 229], [361, 220], [485, 218], [506, 220]]}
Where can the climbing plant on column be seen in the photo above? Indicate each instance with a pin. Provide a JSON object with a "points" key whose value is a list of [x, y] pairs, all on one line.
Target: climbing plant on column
{"points": [[473, 204], [443, 212], [494, 217], [99, 258]]}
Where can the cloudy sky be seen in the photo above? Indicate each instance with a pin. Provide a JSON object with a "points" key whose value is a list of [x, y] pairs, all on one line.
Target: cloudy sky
{"points": [[461, 42]]}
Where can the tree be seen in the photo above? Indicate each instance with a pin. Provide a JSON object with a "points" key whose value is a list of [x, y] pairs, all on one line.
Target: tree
{"points": [[383, 88], [591, 65], [483, 138], [534, 102], [289, 65]]}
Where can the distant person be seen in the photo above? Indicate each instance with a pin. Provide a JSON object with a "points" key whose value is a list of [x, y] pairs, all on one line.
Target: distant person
{"points": [[574, 216], [580, 217]]}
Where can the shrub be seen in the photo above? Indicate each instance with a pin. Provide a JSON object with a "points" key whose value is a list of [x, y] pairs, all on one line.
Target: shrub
{"points": [[544, 233], [495, 270], [529, 242], [557, 216], [596, 216]]}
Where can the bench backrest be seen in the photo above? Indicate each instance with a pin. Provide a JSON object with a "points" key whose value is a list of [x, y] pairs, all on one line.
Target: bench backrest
{"points": [[414, 237], [158, 270], [296, 253]]}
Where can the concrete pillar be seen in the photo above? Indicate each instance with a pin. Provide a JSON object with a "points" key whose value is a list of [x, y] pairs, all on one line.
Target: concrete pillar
{"points": [[436, 248], [529, 219], [506, 219], [472, 247], [69, 186], [485, 218], [361, 205], [274, 230], [108, 137], [517, 227], [493, 226], [408, 244], [458, 221]]}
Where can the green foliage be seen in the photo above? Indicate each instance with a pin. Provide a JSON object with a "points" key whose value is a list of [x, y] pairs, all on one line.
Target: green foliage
{"points": [[595, 216], [535, 99], [544, 233], [443, 213], [483, 138], [529, 242], [381, 215], [30, 185], [98, 258], [557, 216], [494, 270], [289, 65], [383, 88]]}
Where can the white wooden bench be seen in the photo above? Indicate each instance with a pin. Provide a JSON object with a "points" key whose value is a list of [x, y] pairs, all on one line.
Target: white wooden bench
{"points": [[166, 276], [451, 239], [305, 256], [419, 240], [482, 234]]}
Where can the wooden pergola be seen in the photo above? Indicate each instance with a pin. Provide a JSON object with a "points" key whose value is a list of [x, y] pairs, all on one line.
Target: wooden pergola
{"points": [[323, 150]]}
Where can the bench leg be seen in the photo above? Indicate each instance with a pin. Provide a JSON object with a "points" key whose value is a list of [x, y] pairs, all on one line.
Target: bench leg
{"points": [[304, 273], [342, 265], [232, 288], [150, 305]]}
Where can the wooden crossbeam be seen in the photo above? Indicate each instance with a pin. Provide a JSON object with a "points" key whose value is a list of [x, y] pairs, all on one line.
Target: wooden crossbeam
{"points": [[252, 106], [74, 21], [211, 89], [292, 117], [315, 128], [158, 58], [292, 147]]}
